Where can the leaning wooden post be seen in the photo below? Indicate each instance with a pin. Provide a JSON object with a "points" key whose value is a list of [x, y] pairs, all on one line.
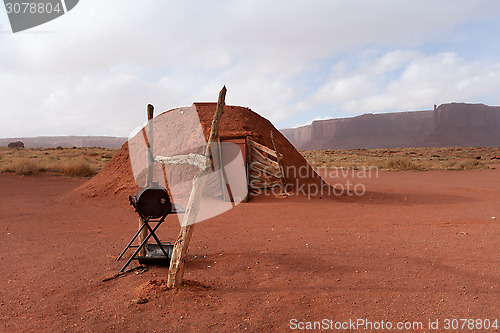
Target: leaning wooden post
{"points": [[149, 170], [149, 157], [279, 157], [181, 245]]}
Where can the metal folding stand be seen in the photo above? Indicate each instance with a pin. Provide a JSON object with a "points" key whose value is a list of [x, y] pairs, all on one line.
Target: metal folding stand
{"points": [[176, 209]]}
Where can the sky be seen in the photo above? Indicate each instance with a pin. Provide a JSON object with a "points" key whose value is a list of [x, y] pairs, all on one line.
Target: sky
{"points": [[93, 70]]}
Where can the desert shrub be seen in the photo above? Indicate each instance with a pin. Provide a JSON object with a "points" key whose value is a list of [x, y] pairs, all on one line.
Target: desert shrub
{"points": [[406, 158], [79, 167], [23, 166], [468, 164], [401, 164]]}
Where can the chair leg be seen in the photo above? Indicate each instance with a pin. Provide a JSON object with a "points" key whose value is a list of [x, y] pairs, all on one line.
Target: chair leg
{"points": [[157, 239], [151, 232], [131, 241]]}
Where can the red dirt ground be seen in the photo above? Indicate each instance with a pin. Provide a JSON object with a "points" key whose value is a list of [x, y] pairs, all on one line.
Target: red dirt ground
{"points": [[418, 246]]}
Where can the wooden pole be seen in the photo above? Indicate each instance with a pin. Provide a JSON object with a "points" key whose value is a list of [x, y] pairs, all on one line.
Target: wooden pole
{"points": [[279, 157], [181, 245], [149, 170], [149, 157]]}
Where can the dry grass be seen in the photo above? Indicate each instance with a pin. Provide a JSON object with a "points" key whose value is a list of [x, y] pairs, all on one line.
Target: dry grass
{"points": [[73, 162], [23, 166], [400, 164], [407, 159], [79, 168], [468, 164], [86, 162]]}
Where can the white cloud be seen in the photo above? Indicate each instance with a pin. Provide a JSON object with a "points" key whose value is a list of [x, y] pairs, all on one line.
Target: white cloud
{"points": [[428, 80], [342, 86], [309, 122], [392, 61], [105, 60]]}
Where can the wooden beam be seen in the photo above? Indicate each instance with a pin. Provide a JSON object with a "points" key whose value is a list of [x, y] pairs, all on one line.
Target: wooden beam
{"points": [[269, 169], [247, 164], [176, 271], [149, 142], [263, 185], [149, 170], [280, 163], [199, 161], [264, 148], [256, 156]]}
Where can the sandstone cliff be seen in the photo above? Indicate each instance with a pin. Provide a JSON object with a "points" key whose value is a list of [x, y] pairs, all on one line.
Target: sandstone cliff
{"points": [[454, 124], [69, 141]]}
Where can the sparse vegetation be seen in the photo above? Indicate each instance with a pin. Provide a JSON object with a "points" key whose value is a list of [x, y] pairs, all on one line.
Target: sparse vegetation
{"points": [[468, 164], [73, 162], [80, 167], [23, 166], [86, 162], [401, 164], [407, 159]]}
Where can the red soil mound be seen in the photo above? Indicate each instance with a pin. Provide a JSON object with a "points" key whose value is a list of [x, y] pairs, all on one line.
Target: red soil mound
{"points": [[116, 179]]}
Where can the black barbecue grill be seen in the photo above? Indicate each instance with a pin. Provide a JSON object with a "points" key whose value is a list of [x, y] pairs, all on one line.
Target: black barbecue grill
{"points": [[152, 201], [153, 204]]}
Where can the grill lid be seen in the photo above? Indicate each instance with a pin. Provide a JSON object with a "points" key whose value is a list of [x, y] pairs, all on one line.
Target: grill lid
{"points": [[153, 201]]}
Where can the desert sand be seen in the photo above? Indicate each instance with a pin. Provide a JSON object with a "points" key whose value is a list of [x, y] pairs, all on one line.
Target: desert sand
{"points": [[417, 246]]}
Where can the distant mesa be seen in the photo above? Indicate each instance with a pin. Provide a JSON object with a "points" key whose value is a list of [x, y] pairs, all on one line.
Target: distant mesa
{"points": [[16, 144], [449, 125], [67, 141]]}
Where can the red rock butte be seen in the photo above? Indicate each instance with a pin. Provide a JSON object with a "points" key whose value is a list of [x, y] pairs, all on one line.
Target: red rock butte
{"points": [[449, 125]]}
